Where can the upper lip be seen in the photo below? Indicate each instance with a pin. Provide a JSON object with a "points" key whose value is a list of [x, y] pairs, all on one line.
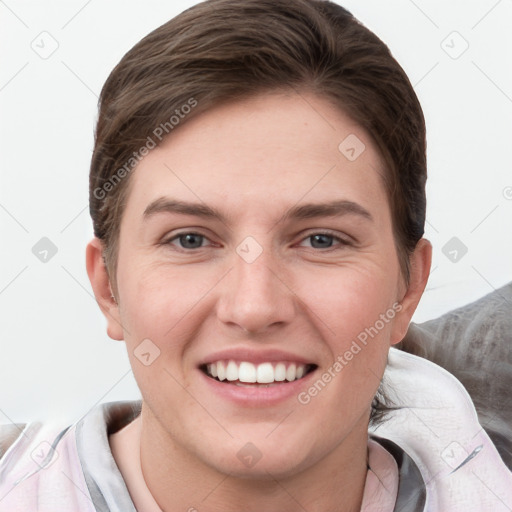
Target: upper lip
{"points": [[254, 356]]}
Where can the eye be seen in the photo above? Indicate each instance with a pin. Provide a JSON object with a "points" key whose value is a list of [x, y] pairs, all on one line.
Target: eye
{"points": [[189, 240], [192, 240], [324, 240]]}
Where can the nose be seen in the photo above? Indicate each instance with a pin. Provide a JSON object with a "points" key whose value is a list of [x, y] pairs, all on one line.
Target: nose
{"points": [[256, 295]]}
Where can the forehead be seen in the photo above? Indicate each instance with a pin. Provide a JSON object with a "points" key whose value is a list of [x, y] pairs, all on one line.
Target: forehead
{"points": [[263, 152]]}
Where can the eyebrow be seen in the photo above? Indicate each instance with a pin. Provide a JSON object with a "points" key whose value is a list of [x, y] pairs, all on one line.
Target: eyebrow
{"points": [[301, 212]]}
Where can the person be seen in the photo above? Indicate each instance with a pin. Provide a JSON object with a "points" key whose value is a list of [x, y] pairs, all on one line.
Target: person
{"points": [[257, 191]]}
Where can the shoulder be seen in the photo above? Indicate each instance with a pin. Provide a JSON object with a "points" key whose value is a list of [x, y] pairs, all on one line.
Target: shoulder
{"points": [[9, 433], [434, 421], [54, 465], [474, 344], [34, 460]]}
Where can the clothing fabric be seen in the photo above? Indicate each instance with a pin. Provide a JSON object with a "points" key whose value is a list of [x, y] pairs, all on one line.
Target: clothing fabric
{"points": [[430, 455], [53, 469], [434, 421], [474, 343]]}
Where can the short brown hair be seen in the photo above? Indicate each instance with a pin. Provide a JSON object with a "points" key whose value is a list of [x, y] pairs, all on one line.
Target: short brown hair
{"points": [[223, 50]]}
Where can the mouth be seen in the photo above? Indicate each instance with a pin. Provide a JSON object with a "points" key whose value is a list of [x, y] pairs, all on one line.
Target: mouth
{"points": [[247, 374]]}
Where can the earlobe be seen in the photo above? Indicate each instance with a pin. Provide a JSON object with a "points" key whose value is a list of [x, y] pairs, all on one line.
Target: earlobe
{"points": [[420, 261], [100, 283]]}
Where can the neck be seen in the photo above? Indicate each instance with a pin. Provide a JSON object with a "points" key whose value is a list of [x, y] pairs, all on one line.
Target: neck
{"points": [[180, 480]]}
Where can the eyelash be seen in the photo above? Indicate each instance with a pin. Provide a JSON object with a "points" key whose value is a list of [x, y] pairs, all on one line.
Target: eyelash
{"points": [[342, 241]]}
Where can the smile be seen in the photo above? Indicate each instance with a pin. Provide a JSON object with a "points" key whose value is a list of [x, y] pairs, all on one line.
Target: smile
{"points": [[244, 373]]}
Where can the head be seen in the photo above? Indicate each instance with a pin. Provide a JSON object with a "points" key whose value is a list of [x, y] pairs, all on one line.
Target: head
{"points": [[256, 111]]}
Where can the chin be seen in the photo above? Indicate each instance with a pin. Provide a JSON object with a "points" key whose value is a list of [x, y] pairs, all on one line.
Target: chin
{"points": [[260, 459]]}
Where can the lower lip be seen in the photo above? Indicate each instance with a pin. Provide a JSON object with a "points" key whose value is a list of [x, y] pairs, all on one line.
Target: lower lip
{"points": [[258, 396]]}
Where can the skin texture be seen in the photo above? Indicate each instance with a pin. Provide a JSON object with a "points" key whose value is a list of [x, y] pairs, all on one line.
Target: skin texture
{"points": [[254, 160]]}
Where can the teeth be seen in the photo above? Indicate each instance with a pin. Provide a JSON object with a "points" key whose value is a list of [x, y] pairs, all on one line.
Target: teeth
{"points": [[264, 373], [280, 372], [232, 371], [291, 372], [221, 371], [247, 372]]}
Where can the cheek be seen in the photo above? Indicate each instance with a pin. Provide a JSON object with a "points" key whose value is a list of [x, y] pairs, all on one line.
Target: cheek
{"points": [[154, 296], [354, 299], [356, 317], [359, 317], [154, 315], [167, 306], [146, 306]]}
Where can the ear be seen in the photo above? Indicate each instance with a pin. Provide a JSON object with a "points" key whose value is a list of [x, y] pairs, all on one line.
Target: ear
{"points": [[420, 261], [100, 283]]}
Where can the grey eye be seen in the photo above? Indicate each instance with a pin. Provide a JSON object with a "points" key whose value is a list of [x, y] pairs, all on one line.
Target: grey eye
{"points": [[322, 240], [191, 240]]}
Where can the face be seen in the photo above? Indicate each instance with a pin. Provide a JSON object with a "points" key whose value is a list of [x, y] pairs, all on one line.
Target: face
{"points": [[252, 236]]}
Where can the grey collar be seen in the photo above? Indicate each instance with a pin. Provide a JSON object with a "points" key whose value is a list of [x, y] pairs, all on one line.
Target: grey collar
{"points": [[412, 492]]}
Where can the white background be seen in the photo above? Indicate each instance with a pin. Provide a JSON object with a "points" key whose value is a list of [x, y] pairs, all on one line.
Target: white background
{"points": [[56, 359]]}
